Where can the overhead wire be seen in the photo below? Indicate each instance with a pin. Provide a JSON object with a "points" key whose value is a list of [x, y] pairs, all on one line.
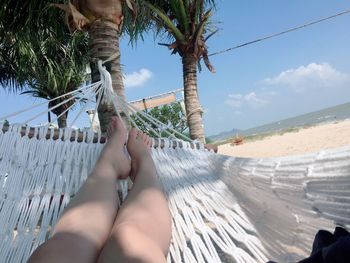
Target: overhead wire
{"points": [[280, 33]]}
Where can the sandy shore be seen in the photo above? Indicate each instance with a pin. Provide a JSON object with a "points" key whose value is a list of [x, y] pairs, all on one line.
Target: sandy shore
{"points": [[312, 139]]}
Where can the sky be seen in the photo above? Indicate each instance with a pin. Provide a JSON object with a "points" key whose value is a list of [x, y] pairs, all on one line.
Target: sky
{"points": [[289, 75]]}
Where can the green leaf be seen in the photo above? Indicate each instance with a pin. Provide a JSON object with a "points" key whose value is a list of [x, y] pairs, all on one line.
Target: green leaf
{"points": [[167, 22], [170, 115], [184, 17]]}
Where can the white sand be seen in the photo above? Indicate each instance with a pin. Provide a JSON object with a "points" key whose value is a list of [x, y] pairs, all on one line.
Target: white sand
{"points": [[313, 139]]}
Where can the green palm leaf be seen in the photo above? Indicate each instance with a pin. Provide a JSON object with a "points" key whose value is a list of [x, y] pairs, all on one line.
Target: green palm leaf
{"points": [[171, 27]]}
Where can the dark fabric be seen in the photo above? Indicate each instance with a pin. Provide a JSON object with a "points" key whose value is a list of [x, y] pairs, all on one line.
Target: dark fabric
{"points": [[330, 248]]}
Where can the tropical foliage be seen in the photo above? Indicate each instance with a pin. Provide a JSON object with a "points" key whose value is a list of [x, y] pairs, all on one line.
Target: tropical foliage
{"points": [[187, 23], [27, 24], [38, 56], [105, 21], [171, 115], [32, 32]]}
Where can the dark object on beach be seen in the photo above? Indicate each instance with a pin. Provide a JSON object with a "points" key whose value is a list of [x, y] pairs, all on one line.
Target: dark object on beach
{"points": [[330, 248], [238, 140]]}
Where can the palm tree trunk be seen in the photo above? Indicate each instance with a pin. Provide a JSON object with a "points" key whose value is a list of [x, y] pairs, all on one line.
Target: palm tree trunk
{"points": [[57, 110], [192, 105], [62, 121], [104, 42]]}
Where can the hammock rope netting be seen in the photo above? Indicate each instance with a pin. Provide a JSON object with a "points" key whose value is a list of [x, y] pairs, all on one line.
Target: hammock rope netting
{"points": [[224, 209]]}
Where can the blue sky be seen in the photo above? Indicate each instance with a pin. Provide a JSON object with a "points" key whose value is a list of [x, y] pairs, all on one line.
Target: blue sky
{"points": [[279, 78]]}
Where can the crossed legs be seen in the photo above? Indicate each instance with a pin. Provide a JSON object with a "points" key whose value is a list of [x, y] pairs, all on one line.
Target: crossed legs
{"points": [[142, 229], [91, 229]]}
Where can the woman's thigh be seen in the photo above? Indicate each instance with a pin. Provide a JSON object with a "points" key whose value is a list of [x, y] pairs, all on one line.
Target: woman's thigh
{"points": [[67, 248]]}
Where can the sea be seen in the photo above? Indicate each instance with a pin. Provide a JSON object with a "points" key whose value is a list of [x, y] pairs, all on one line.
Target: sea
{"points": [[328, 115]]}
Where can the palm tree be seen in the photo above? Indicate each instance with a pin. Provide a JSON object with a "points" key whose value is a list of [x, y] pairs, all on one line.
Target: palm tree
{"points": [[53, 70], [104, 21], [18, 20], [187, 22], [45, 64]]}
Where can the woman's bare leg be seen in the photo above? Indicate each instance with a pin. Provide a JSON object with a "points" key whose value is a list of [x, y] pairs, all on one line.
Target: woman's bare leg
{"points": [[87, 221], [142, 230]]}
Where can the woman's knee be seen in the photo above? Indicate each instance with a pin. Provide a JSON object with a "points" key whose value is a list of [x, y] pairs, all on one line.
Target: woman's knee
{"points": [[129, 244]]}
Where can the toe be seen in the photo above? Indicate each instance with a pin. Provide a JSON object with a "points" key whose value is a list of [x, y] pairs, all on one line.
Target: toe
{"points": [[115, 125], [112, 122], [144, 138], [150, 142], [133, 134], [112, 127], [118, 123], [147, 140]]}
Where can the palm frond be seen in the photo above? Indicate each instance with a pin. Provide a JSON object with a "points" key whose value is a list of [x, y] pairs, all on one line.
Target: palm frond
{"points": [[183, 19], [171, 27], [201, 27]]}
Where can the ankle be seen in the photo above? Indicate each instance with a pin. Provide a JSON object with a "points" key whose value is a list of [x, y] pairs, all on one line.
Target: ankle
{"points": [[143, 160], [143, 163], [110, 148], [104, 170]]}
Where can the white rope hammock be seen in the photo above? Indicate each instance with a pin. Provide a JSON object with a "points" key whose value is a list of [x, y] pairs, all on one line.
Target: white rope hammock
{"points": [[224, 209]]}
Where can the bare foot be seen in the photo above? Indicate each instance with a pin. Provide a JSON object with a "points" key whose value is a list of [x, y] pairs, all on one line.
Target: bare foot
{"points": [[138, 146], [114, 149]]}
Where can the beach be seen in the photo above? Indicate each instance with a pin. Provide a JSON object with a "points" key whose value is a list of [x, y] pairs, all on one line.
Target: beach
{"points": [[304, 140]]}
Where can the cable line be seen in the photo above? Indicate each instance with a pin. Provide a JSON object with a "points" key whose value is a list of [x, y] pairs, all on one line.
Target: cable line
{"points": [[280, 33]]}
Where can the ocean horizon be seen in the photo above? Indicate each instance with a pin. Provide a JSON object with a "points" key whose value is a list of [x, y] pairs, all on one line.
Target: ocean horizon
{"points": [[327, 115], [331, 114]]}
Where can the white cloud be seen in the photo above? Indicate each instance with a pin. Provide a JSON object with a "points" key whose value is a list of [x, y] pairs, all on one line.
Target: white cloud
{"points": [[234, 100], [312, 76], [251, 99], [137, 78]]}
